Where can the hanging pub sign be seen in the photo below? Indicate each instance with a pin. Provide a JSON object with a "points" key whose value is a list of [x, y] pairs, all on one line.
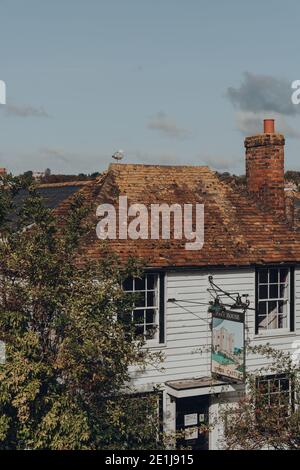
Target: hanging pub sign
{"points": [[228, 344]]}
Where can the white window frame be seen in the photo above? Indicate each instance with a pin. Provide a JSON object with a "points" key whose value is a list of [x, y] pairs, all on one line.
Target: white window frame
{"points": [[287, 300], [269, 378], [156, 308]]}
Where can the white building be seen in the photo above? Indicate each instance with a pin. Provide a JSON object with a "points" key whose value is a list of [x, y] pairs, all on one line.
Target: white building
{"points": [[38, 175], [250, 247]]}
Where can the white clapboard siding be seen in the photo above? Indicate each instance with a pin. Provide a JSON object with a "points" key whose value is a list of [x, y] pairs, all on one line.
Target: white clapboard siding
{"points": [[187, 326], [297, 300], [284, 342]]}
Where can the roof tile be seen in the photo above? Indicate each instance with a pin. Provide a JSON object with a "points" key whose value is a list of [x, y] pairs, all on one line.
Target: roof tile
{"points": [[238, 231]]}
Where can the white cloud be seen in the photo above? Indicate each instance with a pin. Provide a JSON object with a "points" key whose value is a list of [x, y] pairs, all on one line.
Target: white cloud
{"points": [[166, 126], [219, 162], [262, 97], [24, 111], [53, 153], [250, 123], [263, 93], [154, 159]]}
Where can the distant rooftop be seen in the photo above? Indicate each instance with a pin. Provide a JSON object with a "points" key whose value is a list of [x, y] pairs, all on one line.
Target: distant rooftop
{"points": [[53, 194]]}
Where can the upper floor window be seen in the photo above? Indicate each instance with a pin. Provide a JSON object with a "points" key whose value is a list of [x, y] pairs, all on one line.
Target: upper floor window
{"points": [[274, 299], [148, 312]]}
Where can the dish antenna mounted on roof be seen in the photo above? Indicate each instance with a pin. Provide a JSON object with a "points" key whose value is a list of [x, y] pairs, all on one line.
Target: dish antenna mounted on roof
{"points": [[119, 155]]}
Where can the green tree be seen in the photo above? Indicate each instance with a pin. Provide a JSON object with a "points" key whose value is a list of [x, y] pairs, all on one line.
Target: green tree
{"points": [[65, 381], [267, 416], [95, 174]]}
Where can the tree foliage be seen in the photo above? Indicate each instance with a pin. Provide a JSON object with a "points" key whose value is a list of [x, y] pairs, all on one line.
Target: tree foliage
{"points": [[68, 350], [293, 176], [267, 415]]}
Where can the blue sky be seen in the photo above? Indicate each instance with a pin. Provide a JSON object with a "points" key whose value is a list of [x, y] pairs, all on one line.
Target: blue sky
{"points": [[167, 81]]}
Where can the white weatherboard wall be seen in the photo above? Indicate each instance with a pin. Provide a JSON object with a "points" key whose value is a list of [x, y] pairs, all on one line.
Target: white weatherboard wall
{"points": [[285, 341], [187, 325], [188, 335]]}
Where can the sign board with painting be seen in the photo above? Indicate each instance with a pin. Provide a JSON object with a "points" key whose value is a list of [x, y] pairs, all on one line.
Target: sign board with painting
{"points": [[228, 345]]}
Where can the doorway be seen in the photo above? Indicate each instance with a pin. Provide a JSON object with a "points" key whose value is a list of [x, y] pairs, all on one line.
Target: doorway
{"points": [[191, 413]]}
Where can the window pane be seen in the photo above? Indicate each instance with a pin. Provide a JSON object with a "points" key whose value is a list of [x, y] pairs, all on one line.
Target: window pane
{"points": [[285, 401], [283, 274], [263, 392], [140, 283], [126, 318], [282, 317], [283, 291], [273, 291], [272, 307], [150, 316], [263, 386], [273, 275], [281, 306], [263, 276], [262, 308], [262, 321], [264, 399], [151, 299], [139, 330], [140, 300], [150, 331], [138, 316], [274, 385], [274, 399], [263, 292], [128, 284], [151, 281], [272, 315], [284, 384], [282, 321]]}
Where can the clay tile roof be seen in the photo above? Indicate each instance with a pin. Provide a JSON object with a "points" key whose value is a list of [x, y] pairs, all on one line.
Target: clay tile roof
{"points": [[237, 231]]}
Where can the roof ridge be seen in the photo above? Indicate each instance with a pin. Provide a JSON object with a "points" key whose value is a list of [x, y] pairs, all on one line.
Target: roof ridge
{"points": [[64, 184], [156, 165]]}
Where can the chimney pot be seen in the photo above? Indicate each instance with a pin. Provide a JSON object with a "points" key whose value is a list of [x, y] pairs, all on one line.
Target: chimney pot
{"points": [[269, 126]]}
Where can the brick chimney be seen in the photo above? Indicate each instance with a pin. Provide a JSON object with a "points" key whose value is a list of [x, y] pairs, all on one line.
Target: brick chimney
{"points": [[265, 167], [2, 171]]}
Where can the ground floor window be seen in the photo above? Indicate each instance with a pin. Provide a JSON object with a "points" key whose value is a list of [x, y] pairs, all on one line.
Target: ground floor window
{"points": [[147, 409], [275, 393]]}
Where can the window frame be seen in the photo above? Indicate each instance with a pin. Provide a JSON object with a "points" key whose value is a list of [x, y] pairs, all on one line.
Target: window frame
{"points": [[160, 307], [290, 301], [291, 389]]}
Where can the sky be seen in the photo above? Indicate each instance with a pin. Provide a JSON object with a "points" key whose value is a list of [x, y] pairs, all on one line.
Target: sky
{"points": [[166, 81]]}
